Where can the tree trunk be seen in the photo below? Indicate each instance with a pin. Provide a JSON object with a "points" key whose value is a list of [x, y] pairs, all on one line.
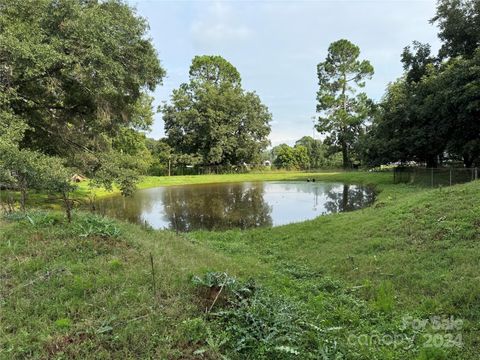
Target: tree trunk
{"points": [[431, 162], [23, 199], [467, 161], [346, 161], [68, 206], [345, 197]]}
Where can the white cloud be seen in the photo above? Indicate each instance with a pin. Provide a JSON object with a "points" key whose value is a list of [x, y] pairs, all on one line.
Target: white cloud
{"points": [[218, 25]]}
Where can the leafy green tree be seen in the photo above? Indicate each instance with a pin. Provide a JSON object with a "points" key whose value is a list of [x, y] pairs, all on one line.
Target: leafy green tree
{"points": [[55, 178], [454, 99], [166, 161], [416, 60], [302, 159], [287, 157], [213, 118], [433, 110], [26, 170], [459, 24], [315, 150], [76, 73], [162, 157], [342, 110], [319, 154], [284, 157]]}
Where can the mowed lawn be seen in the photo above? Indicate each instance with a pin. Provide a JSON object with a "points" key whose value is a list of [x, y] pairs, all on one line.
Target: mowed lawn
{"points": [[156, 181]]}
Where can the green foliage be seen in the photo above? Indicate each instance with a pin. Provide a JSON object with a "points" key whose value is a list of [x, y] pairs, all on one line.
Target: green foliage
{"points": [[421, 121], [459, 26], [214, 279], [267, 326], [385, 299], [37, 218], [26, 170], [63, 323], [74, 76], [342, 111], [194, 329], [430, 114], [286, 157], [93, 225], [432, 354], [212, 118]]}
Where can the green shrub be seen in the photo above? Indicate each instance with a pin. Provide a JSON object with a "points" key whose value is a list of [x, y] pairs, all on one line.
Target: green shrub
{"points": [[194, 329], [255, 323], [93, 225], [35, 218]]}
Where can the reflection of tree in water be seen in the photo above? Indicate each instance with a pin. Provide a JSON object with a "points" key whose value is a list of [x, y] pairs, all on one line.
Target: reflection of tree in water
{"points": [[216, 207], [350, 198], [128, 208]]}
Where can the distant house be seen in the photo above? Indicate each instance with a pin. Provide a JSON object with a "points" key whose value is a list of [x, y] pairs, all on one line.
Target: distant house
{"points": [[78, 178]]}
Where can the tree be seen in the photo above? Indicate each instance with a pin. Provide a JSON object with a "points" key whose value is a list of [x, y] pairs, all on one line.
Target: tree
{"points": [[459, 24], [213, 118], [302, 160], [416, 60], [438, 115], [162, 156], [319, 154], [76, 73], [288, 157], [454, 97], [342, 111], [284, 157], [26, 170]]}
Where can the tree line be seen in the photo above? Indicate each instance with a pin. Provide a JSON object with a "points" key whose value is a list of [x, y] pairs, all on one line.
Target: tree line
{"points": [[431, 114]]}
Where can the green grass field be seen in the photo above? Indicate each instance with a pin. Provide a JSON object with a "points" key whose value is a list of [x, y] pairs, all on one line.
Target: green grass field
{"points": [[156, 181], [369, 284]]}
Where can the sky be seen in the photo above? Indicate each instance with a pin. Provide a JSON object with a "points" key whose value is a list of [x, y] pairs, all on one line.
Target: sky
{"points": [[276, 46]]}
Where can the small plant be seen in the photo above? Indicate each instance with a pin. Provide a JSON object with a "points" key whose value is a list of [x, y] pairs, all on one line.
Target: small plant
{"points": [[224, 288], [216, 283], [92, 225], [254, 323], [194, 329], [63, 323], [214, 280], [115, 264]]}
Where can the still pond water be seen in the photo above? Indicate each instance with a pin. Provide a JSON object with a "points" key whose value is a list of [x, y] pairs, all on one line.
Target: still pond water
{"points": [[235, 205]]}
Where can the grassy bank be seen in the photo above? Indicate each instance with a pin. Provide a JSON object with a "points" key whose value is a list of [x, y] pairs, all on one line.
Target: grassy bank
{"points": [[410, 255], [330, 288], [156, 181]]}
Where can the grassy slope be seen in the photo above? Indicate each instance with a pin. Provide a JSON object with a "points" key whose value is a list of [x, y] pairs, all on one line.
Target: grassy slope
{"points": [[67, 295], [414, 253], [426, 244]]}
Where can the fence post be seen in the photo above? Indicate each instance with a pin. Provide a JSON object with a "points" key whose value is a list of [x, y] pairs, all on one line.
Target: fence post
{"points": [[432, 177], [476, 173], [450, 176]]}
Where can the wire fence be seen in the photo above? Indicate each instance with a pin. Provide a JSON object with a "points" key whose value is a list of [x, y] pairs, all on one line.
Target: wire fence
{"points": [[434, 177]]}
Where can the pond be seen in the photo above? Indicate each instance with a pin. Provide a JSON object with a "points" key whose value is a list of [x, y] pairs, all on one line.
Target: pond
{"points": [[235, 205]]}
